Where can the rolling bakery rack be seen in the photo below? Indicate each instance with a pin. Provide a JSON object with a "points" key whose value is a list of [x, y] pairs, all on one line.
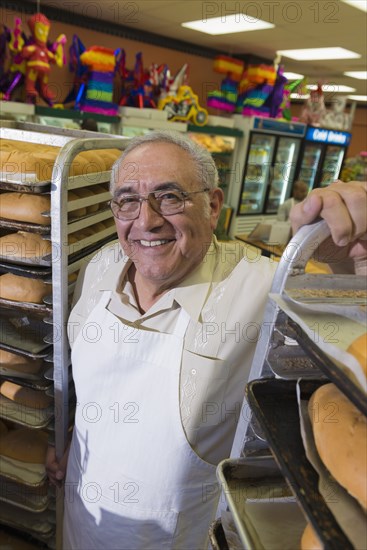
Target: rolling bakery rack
{"points": [[269, 488], [38, 331]]}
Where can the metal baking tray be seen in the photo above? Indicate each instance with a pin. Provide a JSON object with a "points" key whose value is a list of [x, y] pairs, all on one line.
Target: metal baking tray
{"points": [[11, 486], [39, 383], [37, 524], [35, 261], [25, 226], [330, 369], [40, 187], [45, 354], [256, 493], [39, 310], [28, 417], [22, 332], [274, 403], [26, 271]]}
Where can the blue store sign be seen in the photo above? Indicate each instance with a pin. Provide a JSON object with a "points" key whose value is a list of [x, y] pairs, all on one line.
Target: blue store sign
{"points": [[321, 135]]}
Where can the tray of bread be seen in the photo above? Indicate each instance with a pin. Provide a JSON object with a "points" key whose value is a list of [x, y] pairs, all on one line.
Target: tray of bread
{"points": [[17, 364], [23, 332], [25, 406], [27, 212], [25, 294], [32, 164], [333, 507], [25, 248], [23, 456]]}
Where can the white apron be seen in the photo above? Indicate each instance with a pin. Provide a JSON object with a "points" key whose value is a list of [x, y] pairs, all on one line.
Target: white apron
{"points": [[133, 481]]}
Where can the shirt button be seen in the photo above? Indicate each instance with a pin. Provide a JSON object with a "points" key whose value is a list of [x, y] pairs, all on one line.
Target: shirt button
{"points": [[193, 371]]}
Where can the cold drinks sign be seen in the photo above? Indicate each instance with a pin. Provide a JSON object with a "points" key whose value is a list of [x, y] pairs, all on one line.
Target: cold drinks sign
{"points": [[333, 137]]}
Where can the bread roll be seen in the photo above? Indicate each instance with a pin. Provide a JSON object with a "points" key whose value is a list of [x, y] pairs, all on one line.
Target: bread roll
{"points": [[19, 363], [25, 396], [340, 433], [44, 164], [23, 289], [95, 162], [310, 540], [25, 207], [358, 348], [26, 445], [86, 193], [79, 166], [79, 212], [23, 245]]}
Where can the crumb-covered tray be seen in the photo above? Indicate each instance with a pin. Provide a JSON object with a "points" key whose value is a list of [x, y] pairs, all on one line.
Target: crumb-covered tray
{"points": [[25, 226], [29, 417], [39, 187], [22, 332], [265, 513], [28, 497], [32, 261], [274, 403], [39, 310], [34, 272]]}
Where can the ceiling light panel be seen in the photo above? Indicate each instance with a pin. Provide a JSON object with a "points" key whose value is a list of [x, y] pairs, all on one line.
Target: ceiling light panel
{"points": [[361, 75], [228, 24], [314, 54]]}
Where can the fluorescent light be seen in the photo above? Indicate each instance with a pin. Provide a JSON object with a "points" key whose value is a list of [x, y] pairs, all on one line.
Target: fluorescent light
{"points": [[359, 4], [332, 87], [293, 76], [228, 24], [358, 97], [361, 75], [314, 54]]}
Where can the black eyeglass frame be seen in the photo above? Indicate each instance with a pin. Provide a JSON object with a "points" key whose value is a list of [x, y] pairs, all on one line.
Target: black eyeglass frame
{"points": [[150, 198]]}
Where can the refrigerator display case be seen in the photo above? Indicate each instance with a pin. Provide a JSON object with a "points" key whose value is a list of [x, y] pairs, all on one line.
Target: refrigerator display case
{"points": [[266, 161], [322, 156]]}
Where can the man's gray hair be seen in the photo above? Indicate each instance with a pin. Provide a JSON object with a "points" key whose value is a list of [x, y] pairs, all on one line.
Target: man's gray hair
{"points": [[207, 172]]}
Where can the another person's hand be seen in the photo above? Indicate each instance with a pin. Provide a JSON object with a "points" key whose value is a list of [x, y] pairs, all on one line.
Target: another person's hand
{"points": [[56, 470], [344, 208]]}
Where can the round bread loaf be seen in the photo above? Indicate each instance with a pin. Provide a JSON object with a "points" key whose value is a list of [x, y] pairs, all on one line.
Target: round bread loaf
{"points": [[25, 207], [22, 245], [310, 540], [19, 363], [358, 348], [26, 445], [25, 396], [340, 433], [23, 289]]}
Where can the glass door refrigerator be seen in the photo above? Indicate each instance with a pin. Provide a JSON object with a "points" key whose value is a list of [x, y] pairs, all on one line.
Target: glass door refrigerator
{"points": [[322, 156], [268, 159]]}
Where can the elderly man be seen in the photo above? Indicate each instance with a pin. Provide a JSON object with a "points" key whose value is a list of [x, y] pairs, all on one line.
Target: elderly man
{"points": [[162, 338]]}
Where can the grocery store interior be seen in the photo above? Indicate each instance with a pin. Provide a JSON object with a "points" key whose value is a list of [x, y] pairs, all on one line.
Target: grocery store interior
{"points": [[277, 93]]}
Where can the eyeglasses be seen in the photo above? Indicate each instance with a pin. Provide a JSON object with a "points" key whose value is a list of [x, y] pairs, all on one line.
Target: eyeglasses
{"points": [[164, 202]]}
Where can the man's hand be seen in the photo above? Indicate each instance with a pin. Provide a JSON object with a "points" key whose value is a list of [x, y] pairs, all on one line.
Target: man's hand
{"points": [[56, 471], [344, 208]]}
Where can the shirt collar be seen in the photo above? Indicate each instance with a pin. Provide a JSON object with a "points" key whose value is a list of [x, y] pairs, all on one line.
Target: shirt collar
{"points": [[190, 294]]}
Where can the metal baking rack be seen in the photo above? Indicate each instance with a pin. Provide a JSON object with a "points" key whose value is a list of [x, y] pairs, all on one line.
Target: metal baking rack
{"points": [[66, 260], [283, 355]]}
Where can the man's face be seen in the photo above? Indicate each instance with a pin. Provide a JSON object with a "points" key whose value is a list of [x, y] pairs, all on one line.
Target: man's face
{"points": [[165, 249]]}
